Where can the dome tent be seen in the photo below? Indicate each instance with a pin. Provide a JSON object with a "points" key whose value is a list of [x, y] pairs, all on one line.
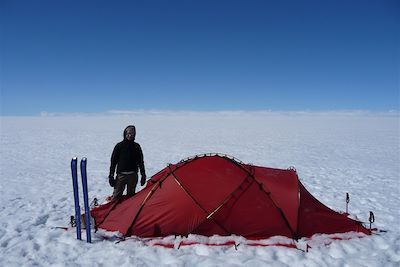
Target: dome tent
{"points": [[214, 194]]}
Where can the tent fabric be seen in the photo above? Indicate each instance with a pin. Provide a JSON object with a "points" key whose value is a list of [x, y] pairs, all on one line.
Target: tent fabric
{"points": [[215, 194]]}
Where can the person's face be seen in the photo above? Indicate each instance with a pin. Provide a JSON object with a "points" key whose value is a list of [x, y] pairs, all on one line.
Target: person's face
{"points": [[130, 134]]}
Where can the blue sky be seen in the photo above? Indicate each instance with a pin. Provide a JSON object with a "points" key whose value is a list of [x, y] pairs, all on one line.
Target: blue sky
{"points": [[94, 56]]}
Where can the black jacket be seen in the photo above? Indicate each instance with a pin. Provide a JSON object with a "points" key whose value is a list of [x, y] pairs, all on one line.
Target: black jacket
{"points": [[127, 156]]}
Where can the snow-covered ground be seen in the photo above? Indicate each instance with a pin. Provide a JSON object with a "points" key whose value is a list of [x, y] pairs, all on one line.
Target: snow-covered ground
{"points": [[334, 153]]}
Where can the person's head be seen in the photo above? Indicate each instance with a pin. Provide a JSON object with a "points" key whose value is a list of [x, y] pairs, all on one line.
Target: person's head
{"points": [[130, 133]]}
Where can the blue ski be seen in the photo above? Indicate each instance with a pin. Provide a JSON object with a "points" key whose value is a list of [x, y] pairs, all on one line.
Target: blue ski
{"points": [[86, 200], [74, 163]]}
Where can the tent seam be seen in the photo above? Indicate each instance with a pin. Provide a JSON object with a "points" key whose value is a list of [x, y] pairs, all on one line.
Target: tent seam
{"points": [[294, 235], [197, 203]]}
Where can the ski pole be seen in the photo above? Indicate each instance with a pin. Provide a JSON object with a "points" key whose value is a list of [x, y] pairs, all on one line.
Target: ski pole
{"points": [[86, 199], [76, 197]]}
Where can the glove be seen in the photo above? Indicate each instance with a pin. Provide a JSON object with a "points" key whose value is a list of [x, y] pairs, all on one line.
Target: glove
{"points": [[111, 180], [143, 180]]}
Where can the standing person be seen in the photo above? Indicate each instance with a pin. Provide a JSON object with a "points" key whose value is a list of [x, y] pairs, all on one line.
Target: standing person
{"points": [[127, 158]]}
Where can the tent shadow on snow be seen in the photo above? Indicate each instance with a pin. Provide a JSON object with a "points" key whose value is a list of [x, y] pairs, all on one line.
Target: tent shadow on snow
{"points": [[215, 194]]}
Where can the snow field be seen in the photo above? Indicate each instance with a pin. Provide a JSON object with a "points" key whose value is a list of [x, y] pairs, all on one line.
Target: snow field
{"points": [[334, 153]]}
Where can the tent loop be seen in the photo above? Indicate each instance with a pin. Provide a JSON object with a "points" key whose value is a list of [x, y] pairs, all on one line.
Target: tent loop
{"points": [[292, 168], [94, 203], [221, 155]]}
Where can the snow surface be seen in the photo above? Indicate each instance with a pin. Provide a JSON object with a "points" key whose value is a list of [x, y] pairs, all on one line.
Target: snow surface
{"points": [[333, 152]]}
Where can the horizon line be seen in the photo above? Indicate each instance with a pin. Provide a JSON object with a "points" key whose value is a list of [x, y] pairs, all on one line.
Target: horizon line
{"points": [[126, 112]]}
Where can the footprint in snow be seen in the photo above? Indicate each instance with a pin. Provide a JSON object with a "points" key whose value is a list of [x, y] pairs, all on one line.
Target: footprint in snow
{"points": [[41, 220]]}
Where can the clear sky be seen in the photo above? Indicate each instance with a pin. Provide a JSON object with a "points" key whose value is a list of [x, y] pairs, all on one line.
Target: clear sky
{"points": [[94, 56]]}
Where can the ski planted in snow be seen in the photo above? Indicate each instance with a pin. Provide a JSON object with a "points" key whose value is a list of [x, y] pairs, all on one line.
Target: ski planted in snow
{"points": [[74, 167], [86, 199]]}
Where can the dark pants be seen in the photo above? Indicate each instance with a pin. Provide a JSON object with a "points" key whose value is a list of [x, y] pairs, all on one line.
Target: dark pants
{"points": [[128, 180]]}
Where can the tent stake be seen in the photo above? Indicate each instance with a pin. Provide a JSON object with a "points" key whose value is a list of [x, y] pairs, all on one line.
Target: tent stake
{"points": [[371, 219]]}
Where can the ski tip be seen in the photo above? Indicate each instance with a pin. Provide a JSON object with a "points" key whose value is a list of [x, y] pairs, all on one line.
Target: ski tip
{"points": [[74, 158], [83, 159]]}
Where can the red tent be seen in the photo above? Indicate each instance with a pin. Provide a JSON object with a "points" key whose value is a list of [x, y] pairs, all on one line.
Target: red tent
{"points": [[216, 194]]}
